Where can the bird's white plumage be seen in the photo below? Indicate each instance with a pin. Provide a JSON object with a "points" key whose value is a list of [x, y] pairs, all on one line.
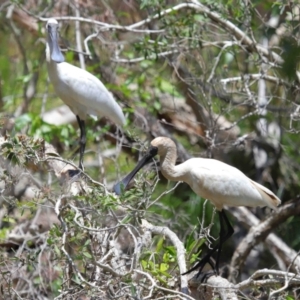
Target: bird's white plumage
{"points": [[83, 92], [216, 181], [222, 184]]}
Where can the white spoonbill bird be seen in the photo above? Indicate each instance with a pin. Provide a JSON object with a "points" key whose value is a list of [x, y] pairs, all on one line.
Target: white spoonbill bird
{"points": [[84, 93], [214, 180]]}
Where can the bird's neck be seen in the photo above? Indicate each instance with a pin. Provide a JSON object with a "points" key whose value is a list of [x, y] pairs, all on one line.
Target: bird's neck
{"points": [[168, 168]]}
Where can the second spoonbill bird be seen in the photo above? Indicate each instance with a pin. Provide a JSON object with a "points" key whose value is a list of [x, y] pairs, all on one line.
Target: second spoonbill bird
{"points": [[214, 180], [84, 93]]}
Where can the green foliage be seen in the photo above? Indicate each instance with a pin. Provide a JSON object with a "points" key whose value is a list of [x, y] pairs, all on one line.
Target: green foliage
{"points": [[159, 262], [291, 58], [154, 4], [35, 126], [21, 149], [9, 220], [193, 247], [3, 233]]}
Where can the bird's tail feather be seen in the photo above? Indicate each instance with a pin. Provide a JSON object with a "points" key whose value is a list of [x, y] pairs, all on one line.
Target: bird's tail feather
{"points": [[272, 200]]}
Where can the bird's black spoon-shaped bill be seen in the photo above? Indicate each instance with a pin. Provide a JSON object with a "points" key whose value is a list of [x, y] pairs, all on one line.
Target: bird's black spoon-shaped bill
{"points": [[144, 161], [56, 54]]}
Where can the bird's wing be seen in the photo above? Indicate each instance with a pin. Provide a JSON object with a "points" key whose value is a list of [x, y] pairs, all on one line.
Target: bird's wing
{"points": [[88, 93], [223, 184]]}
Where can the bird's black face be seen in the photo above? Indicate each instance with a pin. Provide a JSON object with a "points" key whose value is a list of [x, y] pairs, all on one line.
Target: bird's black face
{"points": [[144, 161], [52, 32]]}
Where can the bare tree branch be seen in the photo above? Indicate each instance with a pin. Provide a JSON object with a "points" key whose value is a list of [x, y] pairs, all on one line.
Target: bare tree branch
{"points": [[260, 232]]}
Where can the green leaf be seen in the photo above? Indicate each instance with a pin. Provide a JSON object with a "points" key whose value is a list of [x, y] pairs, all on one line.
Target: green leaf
{"points": [[157, 105], [159, 245], [8, 220], [163, 267], [133, 289], [87, 254], [3, 233], [171, 250], [163, 281], [144, 264], [22, 121], [166, 86]]}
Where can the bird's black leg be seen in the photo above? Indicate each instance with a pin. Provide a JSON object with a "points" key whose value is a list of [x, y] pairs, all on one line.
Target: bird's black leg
{"points": [[206, 259], [224, 235], [82, 141]]}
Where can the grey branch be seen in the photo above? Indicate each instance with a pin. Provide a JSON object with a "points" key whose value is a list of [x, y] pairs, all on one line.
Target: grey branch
{"points": [[260, 231], [165, 231], [215, 284]]}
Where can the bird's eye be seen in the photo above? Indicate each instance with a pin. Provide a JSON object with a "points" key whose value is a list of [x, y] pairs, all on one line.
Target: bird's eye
{"points": [[153, 151]]}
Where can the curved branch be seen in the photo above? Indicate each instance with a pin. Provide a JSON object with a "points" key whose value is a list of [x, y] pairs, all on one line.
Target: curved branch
{"points": [[276, 277], [223, 23], [236, 32], [179, 248], [260, 231], [225, 289]]}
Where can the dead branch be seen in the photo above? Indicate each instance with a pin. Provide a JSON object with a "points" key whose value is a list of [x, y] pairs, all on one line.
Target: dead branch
{"points": [[260, 232]]}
